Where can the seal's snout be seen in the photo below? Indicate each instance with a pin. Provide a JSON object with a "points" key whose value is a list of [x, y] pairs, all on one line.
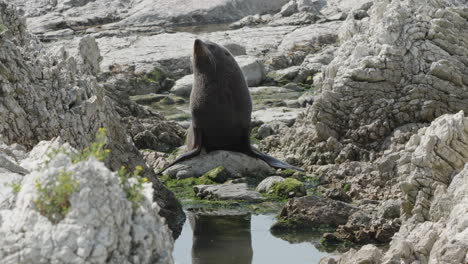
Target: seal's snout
{"points": [[197, 42], [198, 47]]}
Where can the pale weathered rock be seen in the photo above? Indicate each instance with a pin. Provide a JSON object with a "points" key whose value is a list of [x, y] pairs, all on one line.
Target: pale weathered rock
{"points": [[101, 225], [390, 70], [313, 212], [183, 86], [368, 254], [434, 180], [253, 70], [237, 191], [46, 94], [57, 19], [235, 163], [265, 185]]}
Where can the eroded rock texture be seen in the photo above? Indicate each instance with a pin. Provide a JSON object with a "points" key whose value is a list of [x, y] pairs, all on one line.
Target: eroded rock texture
{"points": [[45, 94], [406, 63], [101, 225]]}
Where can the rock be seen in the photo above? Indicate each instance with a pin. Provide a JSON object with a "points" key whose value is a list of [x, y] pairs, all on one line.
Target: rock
{"points": [[238, 191], [389, 209], [235, 163], [435, 194], [306, 99], [264, 131], [368, 254], [362, 66], [100, 226], [235, 49], [253, 70], [327, 260], [183, 86], [49, 19], [288, 9], [313, 212], [251, 21], [282, 114], [147, 99], [288, 188], [218, 174], [56, 94], [310, 38], [267, 183]]}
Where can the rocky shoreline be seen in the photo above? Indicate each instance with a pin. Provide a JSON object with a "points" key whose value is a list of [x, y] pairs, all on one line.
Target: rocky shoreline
{"points": [[368, 96]]}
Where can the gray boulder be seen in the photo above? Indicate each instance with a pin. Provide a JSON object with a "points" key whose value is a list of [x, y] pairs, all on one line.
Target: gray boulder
{"points": [[265, 185], [183, 86], [237, 191], [235, 163], [313, 212], [253, 70]]}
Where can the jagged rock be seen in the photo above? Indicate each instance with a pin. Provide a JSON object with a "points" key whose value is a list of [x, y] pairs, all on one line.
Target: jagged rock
{"points": [[235, 163], [266, 184], [288, 9], [368, 254], [434, 181], [238, 191], [100, 226], [46, 94], [313, 212], [393, 67]]}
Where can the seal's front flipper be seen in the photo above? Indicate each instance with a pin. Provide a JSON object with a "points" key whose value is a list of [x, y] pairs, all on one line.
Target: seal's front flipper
{"points": [[273, 162]]}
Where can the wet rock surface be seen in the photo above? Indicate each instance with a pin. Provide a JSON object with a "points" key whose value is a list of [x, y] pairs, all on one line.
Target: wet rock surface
{"points": [[313, 212], [237, 191]]}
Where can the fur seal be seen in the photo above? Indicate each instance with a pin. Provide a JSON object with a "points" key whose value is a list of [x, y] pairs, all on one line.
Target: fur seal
{"points": [[221, 106]]}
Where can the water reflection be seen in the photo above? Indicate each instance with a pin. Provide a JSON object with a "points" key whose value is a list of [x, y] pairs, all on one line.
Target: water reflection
{"points": [[211, 237], [222, 238]]}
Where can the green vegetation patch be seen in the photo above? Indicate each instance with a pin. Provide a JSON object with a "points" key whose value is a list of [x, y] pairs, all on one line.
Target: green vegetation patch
{"points": [[15, 186], [132, 184], [283, 189], [218, 175], [183, 188], [53, 199]]}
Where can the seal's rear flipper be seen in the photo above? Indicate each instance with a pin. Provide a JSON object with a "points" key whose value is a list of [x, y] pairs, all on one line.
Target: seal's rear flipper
{"points": [[273, 162]]}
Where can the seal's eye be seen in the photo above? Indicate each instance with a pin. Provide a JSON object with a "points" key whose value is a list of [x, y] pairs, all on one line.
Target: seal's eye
{"points": [[226, 53]]}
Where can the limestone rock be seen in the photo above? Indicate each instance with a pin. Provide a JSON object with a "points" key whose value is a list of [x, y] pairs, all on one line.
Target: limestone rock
{"points": [[235, 163], [101, 225], [46, 94], [237, 191], [390, 70], [183, 86], [368, 254], [266, 184], [313, 212]]}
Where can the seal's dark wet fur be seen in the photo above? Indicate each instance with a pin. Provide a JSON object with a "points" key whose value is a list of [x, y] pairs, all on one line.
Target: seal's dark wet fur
{"points": [[221, 106]]}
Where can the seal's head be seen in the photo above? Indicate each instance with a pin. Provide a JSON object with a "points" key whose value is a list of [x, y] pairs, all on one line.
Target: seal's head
{"points": [[210, 58]]}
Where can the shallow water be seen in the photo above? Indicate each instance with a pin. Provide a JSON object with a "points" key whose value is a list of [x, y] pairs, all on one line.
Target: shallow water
{"points": [[242, 240]]}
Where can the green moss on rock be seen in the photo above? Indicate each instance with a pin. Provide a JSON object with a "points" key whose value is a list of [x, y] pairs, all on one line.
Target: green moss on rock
{"points": [[218, 174], [288, 188]]}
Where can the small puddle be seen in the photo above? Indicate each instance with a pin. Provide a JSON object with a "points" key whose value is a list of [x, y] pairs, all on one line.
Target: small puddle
{"points": [[242, 239]]}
